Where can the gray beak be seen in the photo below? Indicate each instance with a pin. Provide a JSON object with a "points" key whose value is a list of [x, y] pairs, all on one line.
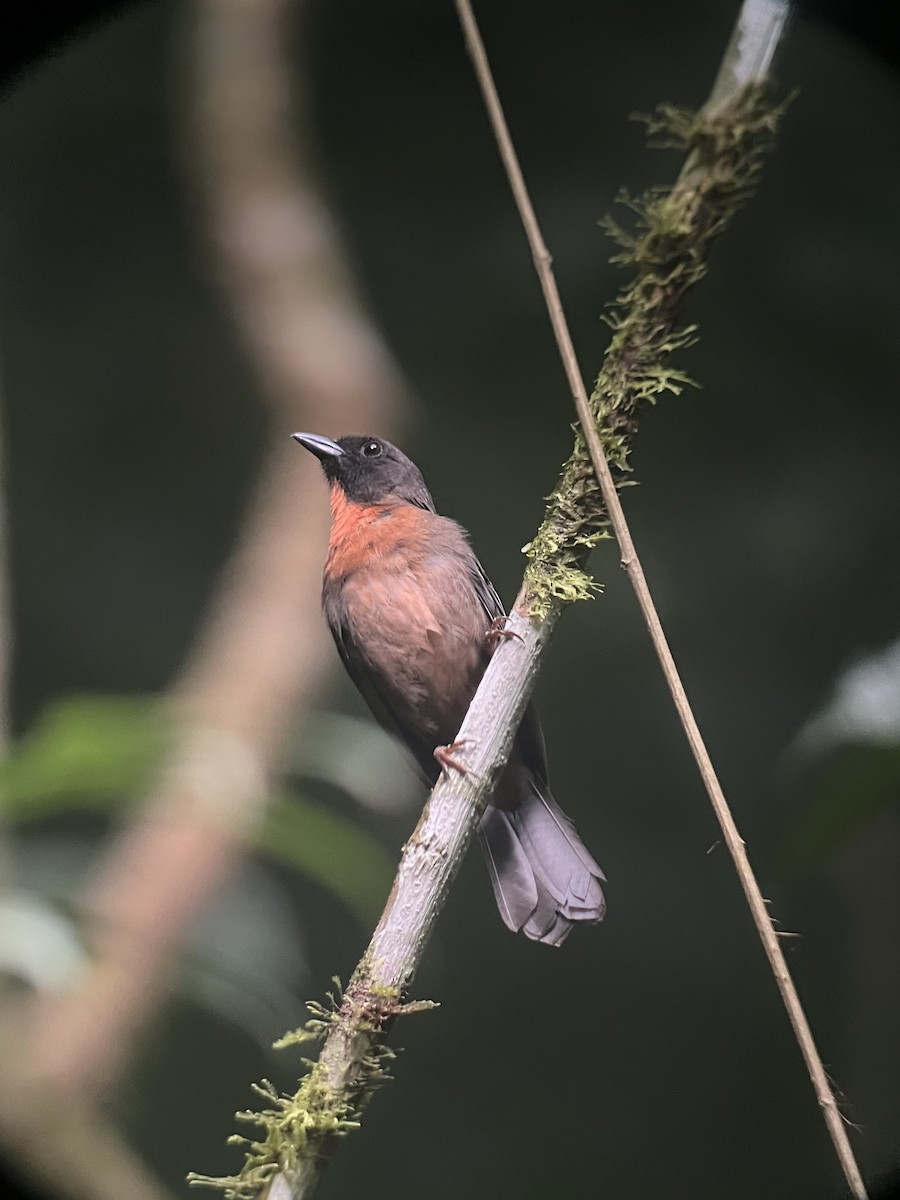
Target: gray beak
{"points": [[322, 447]]}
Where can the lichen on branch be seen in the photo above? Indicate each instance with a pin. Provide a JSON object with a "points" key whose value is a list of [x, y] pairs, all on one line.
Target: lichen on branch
{"points": [[668, 251]]}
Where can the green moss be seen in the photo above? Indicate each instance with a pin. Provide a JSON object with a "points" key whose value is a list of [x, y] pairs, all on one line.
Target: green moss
{"points": [[305, 1125], [667, 250], [293, 1127]]}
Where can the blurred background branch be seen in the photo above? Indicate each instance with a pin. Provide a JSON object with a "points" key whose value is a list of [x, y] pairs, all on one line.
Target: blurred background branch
{"points": [[262, 651], [83, 1156], [79, 1154]]}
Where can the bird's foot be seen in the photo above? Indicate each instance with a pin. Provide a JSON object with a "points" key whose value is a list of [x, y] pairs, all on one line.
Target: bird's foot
{"points": [[497, 632], [444, 755]]}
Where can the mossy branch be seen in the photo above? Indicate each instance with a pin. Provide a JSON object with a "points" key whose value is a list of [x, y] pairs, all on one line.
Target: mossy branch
{"points": [[300, 1132], [668, 251]]}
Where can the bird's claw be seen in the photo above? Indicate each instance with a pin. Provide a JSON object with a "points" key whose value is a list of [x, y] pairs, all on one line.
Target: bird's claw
{"points": [[444, 755], [497, 632]]}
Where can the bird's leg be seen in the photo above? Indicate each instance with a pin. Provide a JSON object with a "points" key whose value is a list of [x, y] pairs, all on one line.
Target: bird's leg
{"points": [[444, 755], [498, 632]]}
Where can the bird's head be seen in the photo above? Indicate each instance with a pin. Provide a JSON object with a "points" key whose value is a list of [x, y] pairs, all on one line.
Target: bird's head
{"points": [[368, 470]]}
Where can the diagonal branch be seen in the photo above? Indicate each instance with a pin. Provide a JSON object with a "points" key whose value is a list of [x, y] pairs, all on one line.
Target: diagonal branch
{"points": [[725, 146]]}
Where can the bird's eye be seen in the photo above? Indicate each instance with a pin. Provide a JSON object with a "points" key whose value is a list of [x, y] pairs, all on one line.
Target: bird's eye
{"points": [[372, 449]]}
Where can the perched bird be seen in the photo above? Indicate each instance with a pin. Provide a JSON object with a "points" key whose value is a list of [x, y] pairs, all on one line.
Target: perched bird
{"points": [[414, 618]]}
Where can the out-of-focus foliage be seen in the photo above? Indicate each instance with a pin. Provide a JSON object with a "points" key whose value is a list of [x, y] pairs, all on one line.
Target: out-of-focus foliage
{"points": [[82, 752], [847, 789], [38, 944], [244, 962], [318, 842], [246, 959], [354, 754], [847, 760], [94, 752]]}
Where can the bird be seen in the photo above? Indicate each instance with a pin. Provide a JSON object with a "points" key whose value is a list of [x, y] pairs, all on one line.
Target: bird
{"points": [[415, 619]]}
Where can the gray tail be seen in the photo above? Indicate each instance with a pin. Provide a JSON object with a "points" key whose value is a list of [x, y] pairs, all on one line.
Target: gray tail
{"points": [[544, 879]]}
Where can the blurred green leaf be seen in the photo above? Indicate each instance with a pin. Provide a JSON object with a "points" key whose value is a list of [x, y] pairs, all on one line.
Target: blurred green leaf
{"points": [[357, 756], [246, 960], [326, 846], [95, 751], [38, 943], [849, 788], [83, 751]]}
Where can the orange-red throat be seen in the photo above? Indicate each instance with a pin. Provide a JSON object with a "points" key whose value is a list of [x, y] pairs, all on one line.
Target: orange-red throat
{"points": [[352, 542], [363, 534]]}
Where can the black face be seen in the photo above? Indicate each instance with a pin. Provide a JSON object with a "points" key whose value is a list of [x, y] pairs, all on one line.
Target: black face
{"points": [[369, 470]]}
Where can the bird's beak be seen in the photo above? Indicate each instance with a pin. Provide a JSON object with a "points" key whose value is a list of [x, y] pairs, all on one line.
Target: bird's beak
{"points": [[322, 447]]}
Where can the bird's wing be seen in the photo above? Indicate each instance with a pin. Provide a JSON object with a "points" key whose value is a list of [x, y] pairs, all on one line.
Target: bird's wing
{"points": [[377, 698], [530, 738], [485, 591], [530, 741]]}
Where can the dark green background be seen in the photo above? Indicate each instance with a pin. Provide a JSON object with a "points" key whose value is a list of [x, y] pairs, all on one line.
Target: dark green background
{"points": [[651, 1056]]}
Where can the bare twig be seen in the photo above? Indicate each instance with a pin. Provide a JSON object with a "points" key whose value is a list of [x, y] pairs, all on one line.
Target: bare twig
{"points": [[262, 653], [748, 59]]}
